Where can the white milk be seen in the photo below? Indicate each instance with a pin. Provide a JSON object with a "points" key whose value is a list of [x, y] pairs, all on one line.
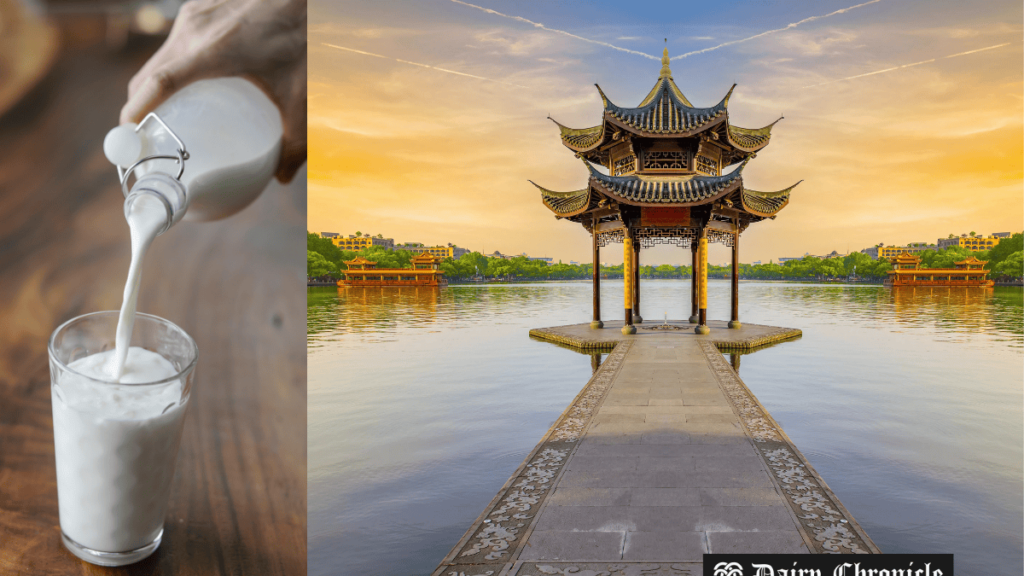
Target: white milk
{"points": [[116, 446], [146, 219]]}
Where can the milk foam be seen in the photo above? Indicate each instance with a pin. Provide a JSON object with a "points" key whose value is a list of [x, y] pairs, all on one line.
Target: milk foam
{"points": [[116, 445]]}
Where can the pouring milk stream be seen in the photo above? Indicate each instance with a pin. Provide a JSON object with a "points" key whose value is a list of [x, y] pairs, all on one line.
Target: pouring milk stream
{"points": [[233, 134], [115, 438]]}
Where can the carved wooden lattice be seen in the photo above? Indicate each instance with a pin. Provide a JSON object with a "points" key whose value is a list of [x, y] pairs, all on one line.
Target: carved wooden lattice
{"points": [[624, 165], [665, 160], [721, 237], [706, 165], [606, 238], [650, 237]]}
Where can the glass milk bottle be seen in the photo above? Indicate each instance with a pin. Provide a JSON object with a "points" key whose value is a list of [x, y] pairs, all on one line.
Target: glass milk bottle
{"points": [[207, 152]]}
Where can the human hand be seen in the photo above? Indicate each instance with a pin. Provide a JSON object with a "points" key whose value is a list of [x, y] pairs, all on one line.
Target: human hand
{"points": [[263, 41]]}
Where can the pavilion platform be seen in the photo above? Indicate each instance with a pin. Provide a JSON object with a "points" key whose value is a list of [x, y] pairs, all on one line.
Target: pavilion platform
{"points": [[664, 455]]}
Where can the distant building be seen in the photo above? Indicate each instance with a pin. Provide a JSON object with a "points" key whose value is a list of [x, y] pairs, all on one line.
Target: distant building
{"points": [[783, 260], [907, 271], [497, 254], [545, 259], [424, 271], [449, 251], [873, 252], [329, 234], [973, 243], [357, 243], [757, 263], [1002, 235], [890, 252], [833, 254]]}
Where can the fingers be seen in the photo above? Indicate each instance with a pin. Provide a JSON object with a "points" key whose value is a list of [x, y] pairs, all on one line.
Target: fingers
{"points": [[293, 145], [290, 96], [164, 73], [292, 159]]}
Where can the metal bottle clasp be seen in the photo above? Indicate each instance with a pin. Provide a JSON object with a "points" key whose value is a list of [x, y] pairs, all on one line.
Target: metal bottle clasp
{"points": [[182, 153]]}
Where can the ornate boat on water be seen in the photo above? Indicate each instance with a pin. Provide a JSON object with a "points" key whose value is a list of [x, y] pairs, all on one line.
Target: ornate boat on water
{"points": [[424, 272], [907, 271]]}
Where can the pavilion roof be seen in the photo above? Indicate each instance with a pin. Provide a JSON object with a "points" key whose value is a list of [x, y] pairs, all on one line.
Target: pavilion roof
{"points": [[565, 203], [641, 190], [359, 260], [424, 257], [664, 113], [765, 204], [750, 139], [971, 260]]}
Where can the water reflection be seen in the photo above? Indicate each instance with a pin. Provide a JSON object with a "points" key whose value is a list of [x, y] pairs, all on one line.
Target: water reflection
{"points": [[423, 401]]}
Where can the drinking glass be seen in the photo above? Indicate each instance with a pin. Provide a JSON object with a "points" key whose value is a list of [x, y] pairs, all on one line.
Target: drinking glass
{"points": [[116, 443]]}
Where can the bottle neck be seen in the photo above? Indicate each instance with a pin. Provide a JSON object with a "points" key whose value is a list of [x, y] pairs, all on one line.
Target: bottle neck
{"points": [[168, 190]]}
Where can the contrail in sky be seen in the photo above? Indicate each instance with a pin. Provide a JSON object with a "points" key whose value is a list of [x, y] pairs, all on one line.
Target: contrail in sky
{"points": [[423, 65], [562, 32], [787, 27], [908, 65]]}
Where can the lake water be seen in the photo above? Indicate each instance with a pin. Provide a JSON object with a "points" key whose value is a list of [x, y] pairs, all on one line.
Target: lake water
{"points": [[909, 402]]}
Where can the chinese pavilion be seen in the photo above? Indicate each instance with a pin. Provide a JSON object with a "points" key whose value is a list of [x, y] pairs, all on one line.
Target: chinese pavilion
{"points": [[907, 271], [424, 272], [665, 185]]}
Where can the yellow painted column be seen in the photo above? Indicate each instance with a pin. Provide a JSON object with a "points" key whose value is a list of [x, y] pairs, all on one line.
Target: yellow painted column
{"points": [[702, 285], [627, 281], [702, 303]]}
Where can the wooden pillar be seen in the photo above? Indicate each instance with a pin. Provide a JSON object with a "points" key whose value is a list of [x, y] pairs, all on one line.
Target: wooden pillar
{"points": [[637, 319], [702, 284], [693, 281], [627, 280], [596, 322], [734, 322]]}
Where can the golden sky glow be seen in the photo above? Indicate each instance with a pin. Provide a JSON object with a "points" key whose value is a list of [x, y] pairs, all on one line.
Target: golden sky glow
{"points": [[905, 120]]}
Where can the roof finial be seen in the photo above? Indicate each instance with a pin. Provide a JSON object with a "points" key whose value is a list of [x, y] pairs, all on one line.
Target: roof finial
{"points": [[665, 71]]}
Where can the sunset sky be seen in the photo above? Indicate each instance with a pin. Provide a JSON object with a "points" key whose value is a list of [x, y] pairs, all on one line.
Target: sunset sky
{"points": [[903, 118]]}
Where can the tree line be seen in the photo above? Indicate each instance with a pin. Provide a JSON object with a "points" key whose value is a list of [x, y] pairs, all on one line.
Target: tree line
{"points": [[325, 260]]}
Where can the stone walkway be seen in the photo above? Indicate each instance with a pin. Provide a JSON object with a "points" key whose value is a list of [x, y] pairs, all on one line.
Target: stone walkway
{"points": [[663, 457]]}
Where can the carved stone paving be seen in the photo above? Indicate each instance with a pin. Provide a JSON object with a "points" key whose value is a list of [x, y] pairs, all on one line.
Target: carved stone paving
{"points": [[502, 525], [830, 527], [761, 430], [820, 514], [582, 410], [494, 539], [566, 336], [610, 569], [665, 327]]}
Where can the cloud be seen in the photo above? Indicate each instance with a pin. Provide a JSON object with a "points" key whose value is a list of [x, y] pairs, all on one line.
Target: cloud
{"points": [[902, 66], [562, 32], [423, 65], [437, 157], [518, 43], [766, 33]]}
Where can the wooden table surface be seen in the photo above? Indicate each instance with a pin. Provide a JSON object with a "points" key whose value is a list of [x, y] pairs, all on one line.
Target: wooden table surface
{"points": [[238, 502]]}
